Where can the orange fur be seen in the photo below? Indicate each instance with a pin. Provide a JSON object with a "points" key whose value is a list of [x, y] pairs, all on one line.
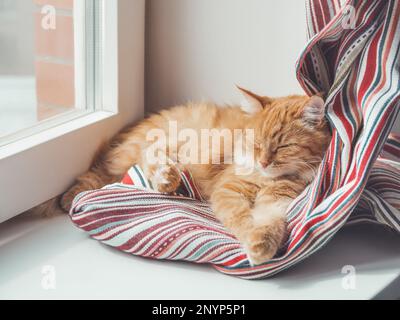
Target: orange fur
{"points": [[291, 136]]}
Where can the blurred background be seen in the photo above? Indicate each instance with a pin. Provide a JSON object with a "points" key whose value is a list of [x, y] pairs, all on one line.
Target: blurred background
{"points": [[17, 69]]}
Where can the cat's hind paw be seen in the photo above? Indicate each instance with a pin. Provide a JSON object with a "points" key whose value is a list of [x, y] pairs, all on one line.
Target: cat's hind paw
{"points": [[263, 242], [68, 197]]}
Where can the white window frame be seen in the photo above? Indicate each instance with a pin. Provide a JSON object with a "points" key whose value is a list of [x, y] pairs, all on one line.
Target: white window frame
{"points": [[41, 166]]}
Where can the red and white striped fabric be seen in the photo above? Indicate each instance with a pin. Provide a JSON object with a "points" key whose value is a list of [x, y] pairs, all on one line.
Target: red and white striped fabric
{"points": [[356, 63]]}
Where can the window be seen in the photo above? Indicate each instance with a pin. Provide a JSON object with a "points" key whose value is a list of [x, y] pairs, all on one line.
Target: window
{"points": [[47, 73], [64, 88]]}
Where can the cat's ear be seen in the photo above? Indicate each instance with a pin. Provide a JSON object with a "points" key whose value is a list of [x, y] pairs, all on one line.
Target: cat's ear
{"points": [[314, 111], [253, 103]]}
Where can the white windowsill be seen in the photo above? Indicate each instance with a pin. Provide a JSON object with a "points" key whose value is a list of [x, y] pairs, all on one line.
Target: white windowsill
{"points": [[63, 124], [87, 269]]}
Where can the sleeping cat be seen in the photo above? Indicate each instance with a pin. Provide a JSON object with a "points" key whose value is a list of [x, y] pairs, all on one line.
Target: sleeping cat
{"points": [[290, 136]]}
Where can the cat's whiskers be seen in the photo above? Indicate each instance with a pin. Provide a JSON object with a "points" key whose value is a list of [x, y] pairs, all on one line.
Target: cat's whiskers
{"points": [[304, 169], [310, 172]]}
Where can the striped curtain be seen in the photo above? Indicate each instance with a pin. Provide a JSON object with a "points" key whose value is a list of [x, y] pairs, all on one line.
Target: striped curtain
{"points": [[353, 57]]}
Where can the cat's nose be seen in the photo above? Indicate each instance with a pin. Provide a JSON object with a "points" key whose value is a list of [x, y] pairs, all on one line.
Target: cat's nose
{"points": [[264, 163]]}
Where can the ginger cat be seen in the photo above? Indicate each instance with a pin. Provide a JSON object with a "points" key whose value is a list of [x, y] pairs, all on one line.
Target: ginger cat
{"points": [[290, 138]]}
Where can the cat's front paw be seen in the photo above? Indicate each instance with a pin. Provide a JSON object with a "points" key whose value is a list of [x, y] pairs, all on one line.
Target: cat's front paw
{"points": [[262, 243], [166, 179]]}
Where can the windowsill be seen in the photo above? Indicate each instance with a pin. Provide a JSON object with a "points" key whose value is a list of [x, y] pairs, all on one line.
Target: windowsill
{"points": [[62, 125], [87, 269]]}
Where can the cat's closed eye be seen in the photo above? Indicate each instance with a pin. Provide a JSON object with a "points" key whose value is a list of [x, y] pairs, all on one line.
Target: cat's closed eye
{"points": [[290, 145]]}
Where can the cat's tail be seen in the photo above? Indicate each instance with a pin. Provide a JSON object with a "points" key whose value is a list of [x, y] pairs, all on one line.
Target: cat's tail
{"points": [[48, 209]]}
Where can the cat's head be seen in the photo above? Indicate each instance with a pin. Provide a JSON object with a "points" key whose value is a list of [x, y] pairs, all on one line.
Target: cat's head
{"points": [[291, 134]]}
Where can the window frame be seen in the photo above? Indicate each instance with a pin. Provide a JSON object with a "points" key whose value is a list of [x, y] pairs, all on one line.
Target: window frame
{"points": [[38, 167]]}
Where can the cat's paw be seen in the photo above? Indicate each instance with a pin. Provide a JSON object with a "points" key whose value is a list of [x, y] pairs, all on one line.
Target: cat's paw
{"points": [[166, 179], [262, 243], [68, 197]]}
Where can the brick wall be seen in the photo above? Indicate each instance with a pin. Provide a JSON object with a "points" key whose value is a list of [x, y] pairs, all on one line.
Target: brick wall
{"points": [[54, 60]]}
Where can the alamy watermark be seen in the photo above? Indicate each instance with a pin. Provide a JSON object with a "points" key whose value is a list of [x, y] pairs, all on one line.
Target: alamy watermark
{"points": [[349, 280], [205, 146], [48, 277], [49, 17]]}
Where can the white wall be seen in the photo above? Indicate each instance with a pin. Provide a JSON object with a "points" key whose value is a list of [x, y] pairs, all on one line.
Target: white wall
{"points": [[199, 49]]}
